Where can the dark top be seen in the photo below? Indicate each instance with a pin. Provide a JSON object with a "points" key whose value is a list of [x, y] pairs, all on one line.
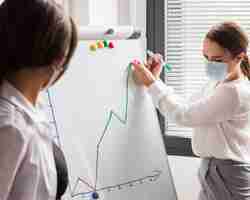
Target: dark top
{"points": [[62, 171]]}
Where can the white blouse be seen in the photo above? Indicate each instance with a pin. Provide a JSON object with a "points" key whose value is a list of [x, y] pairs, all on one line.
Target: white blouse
{"points": [[219, 116], [27, 166]]}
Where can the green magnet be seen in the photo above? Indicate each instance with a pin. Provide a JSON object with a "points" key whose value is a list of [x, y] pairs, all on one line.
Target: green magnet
{"points": [[105, 43]]}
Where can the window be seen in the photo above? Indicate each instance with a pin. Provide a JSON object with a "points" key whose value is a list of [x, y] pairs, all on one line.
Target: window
{"points": [[186, 23]]}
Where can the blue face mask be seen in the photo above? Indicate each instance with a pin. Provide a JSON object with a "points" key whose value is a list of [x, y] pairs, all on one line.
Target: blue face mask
{"points": [[216, 70]]}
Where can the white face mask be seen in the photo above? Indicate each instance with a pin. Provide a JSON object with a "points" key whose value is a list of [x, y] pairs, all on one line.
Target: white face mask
{"points": [[216, 70], [56, 73]]}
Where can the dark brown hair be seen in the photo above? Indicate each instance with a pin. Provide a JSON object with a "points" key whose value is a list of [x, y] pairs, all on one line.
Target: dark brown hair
{"points": [[34, 33], [230, 36]]}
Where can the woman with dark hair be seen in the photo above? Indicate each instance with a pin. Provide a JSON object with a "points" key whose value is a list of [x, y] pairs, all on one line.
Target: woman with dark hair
{"points": [[37, 43], [219, 114]]}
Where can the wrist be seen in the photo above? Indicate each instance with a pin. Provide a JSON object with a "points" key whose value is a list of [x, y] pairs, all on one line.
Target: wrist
{"points": [[150, 82]]}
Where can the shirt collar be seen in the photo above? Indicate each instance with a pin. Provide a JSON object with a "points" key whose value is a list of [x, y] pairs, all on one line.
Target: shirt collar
{"points": [[10, 93]]}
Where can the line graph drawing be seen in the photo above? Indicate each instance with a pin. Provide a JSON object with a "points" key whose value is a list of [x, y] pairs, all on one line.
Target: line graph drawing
{"points": [[112, 115], [153, 177]]}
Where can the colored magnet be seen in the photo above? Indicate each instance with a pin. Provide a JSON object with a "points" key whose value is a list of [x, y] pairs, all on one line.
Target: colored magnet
{"points": [[111, 45], [105, 43], [100, 45], [93, 47], [95, 195]]}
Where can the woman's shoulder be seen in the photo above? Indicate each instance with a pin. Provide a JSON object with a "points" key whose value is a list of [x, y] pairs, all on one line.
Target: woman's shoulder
{"points": [[7, 113], [241, 88], [13, 141], [12, 120]]}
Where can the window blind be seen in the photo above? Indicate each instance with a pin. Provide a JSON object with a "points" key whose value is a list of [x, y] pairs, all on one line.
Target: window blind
{"points": [[186, 23]]}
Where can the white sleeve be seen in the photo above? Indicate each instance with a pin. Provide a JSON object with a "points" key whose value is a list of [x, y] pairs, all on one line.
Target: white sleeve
{"points": [[207, 110], [197, 94], [12, 151]]}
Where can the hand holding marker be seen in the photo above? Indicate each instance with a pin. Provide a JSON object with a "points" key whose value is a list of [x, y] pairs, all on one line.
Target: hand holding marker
{"points": [[166, 66], [146, 74]]}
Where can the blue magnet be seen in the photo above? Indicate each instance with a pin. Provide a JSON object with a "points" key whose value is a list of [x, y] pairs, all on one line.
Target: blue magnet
{"points": [[95, 195]]}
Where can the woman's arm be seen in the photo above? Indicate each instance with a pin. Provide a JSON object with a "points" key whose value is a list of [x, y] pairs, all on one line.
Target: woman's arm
{"points": [[207, 110], [12, 151]]}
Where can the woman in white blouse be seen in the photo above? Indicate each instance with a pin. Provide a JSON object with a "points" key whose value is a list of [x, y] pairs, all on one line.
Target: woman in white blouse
{"points": [[219, 114], [37, 42]]}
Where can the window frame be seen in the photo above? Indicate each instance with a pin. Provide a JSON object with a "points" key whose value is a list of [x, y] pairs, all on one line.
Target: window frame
{"points": [[155, 33]]}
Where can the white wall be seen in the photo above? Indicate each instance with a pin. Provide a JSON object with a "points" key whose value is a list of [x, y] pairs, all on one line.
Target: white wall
{"points": [[132, 12], [108, 12], [104, 12], [79, 10], [184, 171]]}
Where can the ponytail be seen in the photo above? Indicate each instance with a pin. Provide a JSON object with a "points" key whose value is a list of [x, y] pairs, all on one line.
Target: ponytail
{"points": [[245, 66]]}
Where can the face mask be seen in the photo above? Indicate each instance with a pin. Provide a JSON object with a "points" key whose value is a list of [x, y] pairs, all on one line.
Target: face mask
{"points": [[216, 70], [56, 73]]}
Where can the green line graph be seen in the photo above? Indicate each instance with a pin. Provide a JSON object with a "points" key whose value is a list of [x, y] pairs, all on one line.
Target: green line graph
{"points": [[112, 115]]}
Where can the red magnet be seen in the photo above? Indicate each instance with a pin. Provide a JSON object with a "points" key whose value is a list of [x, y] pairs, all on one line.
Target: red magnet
{"points": [[111, 45]]}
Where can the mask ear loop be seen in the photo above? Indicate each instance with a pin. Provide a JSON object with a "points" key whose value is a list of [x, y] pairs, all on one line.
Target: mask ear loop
{"points": [[205, 60]]}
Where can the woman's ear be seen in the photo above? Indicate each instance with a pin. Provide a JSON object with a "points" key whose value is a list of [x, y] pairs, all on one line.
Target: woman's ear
{"points": [[241, 56]]}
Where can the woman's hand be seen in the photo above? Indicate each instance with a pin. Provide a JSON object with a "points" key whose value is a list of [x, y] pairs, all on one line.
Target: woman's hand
{"points": [[154, 65], [146, 74], [142, 75]]}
